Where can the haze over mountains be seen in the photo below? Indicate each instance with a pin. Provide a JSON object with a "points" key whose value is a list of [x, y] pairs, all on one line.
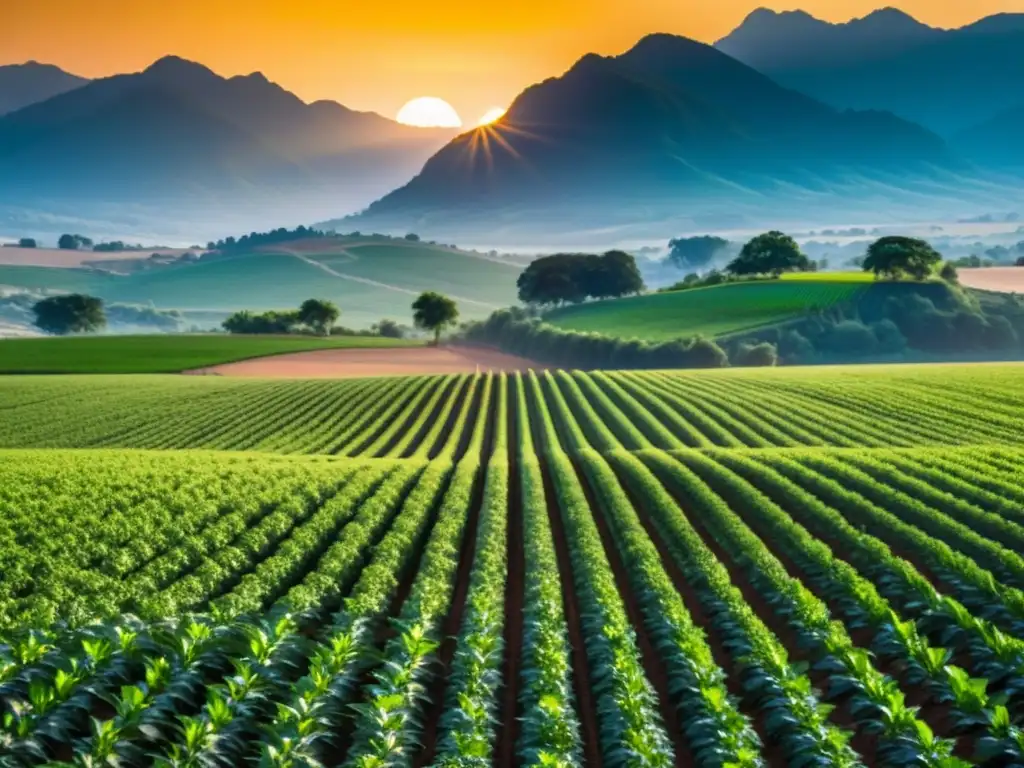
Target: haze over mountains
{"points": [[787, 118], [180, 137], [670, 125], [947, 80]]}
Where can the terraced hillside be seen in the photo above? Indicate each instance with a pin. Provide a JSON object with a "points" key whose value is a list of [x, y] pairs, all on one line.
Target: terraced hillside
{"points": [[738, 568]]}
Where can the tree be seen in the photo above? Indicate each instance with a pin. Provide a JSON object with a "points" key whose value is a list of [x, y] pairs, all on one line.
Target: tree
{"points": [[611, 275], [319, 314], [770, 254], [948, 273], [574, 277], [695, 252], [27, 242], [73, 242], [434, 312], [73, 313], [896, 255], [412, 237], [389, 329]]}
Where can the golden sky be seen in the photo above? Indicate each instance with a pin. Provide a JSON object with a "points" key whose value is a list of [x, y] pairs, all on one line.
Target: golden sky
{"points": [[377, 54]]}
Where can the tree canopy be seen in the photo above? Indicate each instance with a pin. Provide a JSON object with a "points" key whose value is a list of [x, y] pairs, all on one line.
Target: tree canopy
{"points": [[73, 242], [771, 253], [895, 256], [434, 312], [319, 314], [27, 242], [575, 277], [72, 313], [695, 252]]}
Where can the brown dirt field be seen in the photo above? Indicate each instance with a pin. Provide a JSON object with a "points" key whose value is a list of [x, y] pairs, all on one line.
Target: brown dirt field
{"points": [[1003, 279], [350, 363], [53, 257]]}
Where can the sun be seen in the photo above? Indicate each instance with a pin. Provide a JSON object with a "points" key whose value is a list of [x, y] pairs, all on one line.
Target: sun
{"points": [[429, 112], [491, 115]]}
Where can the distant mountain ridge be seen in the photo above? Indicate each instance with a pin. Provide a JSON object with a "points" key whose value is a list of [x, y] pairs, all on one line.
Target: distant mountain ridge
{"points": [[667, 121], [179, 132], [32, 82], [947, 80]]}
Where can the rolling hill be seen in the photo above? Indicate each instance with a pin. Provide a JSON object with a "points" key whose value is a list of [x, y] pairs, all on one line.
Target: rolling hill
{"points": [[369, 280], [671, 121], [713, 311], [947, 80], [32, 82], [179, 136]]}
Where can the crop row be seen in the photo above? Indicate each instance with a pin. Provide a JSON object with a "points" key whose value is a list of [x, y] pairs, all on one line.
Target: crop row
{"points": [[404, 417]]}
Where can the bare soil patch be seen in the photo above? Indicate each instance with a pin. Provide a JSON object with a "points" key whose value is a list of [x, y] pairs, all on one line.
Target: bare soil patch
{"points": [[53, 257], [349, 363], [1003, 279]]}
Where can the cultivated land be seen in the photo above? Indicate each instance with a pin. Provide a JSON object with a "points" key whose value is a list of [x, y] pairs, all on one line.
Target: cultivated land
{"points": [[680, 568], [712, 311], [347, 363], [1003, 279], [369, 281], [162, 354]]}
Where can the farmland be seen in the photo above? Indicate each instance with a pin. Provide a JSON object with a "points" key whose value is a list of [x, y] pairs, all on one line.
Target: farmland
{"points": [[368, 281], [712, 311], [753, 568], [160, 354]]}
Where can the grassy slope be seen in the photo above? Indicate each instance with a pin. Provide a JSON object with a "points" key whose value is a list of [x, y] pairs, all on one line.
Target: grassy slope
{"points": [[158, 354], [424, 267], [711, 311], [261, 281]]}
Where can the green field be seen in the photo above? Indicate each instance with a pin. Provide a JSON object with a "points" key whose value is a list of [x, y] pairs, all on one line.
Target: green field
{"points": [[169, 353], [579, 568], [423, 267], [261, 281], [713, 311]]}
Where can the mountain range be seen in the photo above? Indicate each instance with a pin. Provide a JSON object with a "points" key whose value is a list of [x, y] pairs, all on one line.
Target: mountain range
{"points": [[32, 82], [670, 124], [788, 118], [179, 135], [947, 80]]}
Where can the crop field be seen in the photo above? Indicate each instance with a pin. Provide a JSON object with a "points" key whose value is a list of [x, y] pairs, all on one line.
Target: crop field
{"points": [[713, 311], [736, 568], [169, 353]]}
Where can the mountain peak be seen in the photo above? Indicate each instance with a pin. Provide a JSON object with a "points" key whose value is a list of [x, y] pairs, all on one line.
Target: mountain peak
{"points": [[176, 68]]}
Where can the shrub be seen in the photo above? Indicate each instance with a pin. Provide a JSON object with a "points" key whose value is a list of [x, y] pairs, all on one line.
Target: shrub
{"points": [[755, 355]]}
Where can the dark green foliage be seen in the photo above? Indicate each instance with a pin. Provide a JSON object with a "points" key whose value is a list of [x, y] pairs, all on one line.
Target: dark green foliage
{"points": [[27, 242], [130, 314], [389, 329], [513, 331], [575, 277], [850, 338], [948, 273], [272, 322], [764, 354], [256, 239], [73, 242], [895, 256], [771, 253], [695, 252], [434, 312], [319, 314], [73, 313]]}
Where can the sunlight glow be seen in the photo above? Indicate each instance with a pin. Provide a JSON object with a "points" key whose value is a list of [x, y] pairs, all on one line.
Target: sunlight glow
{"points": [[429, 112], [495, 113]]}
